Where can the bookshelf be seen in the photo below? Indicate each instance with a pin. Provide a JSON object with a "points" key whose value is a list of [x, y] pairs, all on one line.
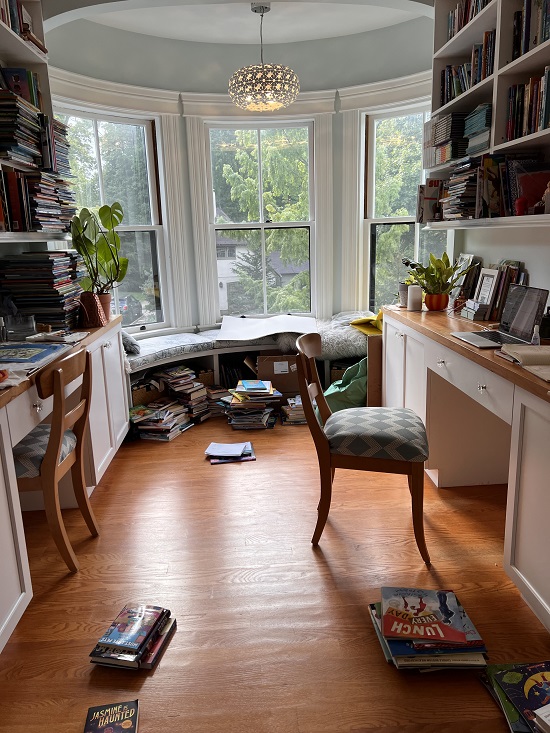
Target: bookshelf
{"points": [[507, 68], [19, 52]]}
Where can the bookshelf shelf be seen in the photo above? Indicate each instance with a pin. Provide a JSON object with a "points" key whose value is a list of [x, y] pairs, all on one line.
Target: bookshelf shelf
{"points": [[518, 92], [22, 237]]}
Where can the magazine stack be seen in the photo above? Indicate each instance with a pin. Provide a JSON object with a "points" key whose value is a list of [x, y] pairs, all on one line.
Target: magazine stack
{"points": [[164, 419], [293, 412], [426, 630], [522, 691], [252, 404], [136, 639]]}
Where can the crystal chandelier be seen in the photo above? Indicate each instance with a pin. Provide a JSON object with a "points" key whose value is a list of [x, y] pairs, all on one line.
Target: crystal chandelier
{"points": [[263, 87]]}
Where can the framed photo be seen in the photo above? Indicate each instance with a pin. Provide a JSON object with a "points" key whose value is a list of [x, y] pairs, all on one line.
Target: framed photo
{"points": [[486, 286], [464, 261]]}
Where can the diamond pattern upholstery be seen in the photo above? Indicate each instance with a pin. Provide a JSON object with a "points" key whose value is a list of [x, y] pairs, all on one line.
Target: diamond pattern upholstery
{"points": [[377, 432], [29, 452]]}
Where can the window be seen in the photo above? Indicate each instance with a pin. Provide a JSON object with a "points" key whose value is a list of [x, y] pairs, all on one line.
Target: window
{"points": [[112, 160], [262, 217], [394, 171]]}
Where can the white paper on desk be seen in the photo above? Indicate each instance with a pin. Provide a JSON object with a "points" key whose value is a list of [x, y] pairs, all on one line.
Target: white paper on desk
{"points": [[234, 328], [15, 377]]}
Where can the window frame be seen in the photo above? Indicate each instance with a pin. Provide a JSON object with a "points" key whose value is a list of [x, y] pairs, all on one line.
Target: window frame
{"points": [[150, 124], [370, 221], [262, 225]]}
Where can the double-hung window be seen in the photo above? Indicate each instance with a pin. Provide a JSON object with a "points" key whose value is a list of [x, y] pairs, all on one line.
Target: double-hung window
{"points": [[112, 159], [394, 172], [262, 217]]}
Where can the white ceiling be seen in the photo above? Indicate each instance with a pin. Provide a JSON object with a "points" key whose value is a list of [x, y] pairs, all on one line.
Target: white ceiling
{"points": [[234, 22]]}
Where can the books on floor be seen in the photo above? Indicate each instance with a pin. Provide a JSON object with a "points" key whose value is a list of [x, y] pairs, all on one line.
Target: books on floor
{"points": [[136, 639], [230, 452], [293, 412], [121, 716], [426, 629], [522, 691]]}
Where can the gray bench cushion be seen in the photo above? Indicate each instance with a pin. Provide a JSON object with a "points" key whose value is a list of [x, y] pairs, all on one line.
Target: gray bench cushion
{"points": [[29, 453], [158, 348], [378, 432]]}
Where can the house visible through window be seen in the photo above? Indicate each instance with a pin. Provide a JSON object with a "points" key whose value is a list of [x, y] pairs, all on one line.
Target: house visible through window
{"points": [[394, 171], [111, 160], [262, 218]]}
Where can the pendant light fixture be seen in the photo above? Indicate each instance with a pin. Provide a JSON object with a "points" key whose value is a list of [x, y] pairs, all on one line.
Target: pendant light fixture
{"points": [[263, 87]]}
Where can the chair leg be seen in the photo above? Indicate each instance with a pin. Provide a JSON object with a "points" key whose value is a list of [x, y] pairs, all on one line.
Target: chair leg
{"points": [[81, 495], [416, 487], [332, 472], [327, 474], [57, 527]]}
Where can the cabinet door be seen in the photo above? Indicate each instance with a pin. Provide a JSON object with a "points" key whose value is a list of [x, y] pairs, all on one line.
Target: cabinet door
{"points": [[394, 364], [526, 539], [117, 395], [414, 378], [15, 578]]}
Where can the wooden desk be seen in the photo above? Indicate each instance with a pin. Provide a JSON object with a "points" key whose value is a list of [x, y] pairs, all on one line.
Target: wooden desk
{"points": [[488, 422], [20, 410]]}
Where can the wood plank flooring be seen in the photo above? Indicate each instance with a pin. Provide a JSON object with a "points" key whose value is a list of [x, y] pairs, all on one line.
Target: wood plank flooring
{"points": [[272, 636]]}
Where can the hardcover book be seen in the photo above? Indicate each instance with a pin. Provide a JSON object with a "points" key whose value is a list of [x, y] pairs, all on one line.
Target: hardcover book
{"points": [[421, 615], [527, 686], [121, 716], [133, 626]]}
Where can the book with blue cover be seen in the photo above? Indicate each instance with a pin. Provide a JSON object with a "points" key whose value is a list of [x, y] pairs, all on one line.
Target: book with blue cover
{"points": [[133, 626], [25, 353]]}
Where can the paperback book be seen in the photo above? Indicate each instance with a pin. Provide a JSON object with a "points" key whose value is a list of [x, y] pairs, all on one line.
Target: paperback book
{"points": [[121, 716], [527, 686]]}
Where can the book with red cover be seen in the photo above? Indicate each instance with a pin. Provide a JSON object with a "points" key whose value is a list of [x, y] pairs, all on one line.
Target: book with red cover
{"points": [[419, 614]]}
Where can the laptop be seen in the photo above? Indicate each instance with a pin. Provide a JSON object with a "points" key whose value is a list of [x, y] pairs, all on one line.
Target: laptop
{"points": [[522, 310]]}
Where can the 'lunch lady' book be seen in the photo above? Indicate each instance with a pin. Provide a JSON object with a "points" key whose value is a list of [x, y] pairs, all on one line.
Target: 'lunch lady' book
{"points": [[415, 613], [119, 716], [133, 626]]}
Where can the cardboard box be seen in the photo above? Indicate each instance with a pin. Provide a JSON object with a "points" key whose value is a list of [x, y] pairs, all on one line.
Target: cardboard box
{"points": [[281, 370]]}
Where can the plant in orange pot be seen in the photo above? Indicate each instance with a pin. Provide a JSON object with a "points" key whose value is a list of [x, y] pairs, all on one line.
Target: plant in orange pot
{"points": [[94, 237], [436, 279]]}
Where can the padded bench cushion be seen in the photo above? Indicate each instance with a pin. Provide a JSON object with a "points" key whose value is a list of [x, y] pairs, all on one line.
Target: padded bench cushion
{"points": [[159, 348]]}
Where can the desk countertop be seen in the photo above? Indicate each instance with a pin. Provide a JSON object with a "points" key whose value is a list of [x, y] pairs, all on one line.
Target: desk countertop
{"points": [[437, 326], [10, 393]]}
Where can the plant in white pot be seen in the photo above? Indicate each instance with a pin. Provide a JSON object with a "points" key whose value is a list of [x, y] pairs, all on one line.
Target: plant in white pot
{"points": [[95, 239]]}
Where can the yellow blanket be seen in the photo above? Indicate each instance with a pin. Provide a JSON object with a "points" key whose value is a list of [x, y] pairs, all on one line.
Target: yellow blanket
{"points": [[370, 325]]}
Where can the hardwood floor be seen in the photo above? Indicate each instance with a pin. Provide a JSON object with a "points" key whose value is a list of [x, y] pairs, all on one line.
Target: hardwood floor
{"points": [[272, 635]]}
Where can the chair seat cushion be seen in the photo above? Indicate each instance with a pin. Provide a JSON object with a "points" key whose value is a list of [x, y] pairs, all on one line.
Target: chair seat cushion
{"points": [[29, 453], [378, 432]]}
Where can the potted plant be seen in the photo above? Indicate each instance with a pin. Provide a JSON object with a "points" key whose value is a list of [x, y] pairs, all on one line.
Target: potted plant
{"points": [[436, 279], [94, 237]]}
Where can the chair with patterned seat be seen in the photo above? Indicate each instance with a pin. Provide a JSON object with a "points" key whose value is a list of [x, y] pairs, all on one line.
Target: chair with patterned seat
{"points": [[48, 452], [380, 439]]}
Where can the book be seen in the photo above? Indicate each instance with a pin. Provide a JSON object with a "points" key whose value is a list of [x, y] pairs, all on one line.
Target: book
{"points": [[416, 614], [254, 385], [226, 450], [527, 686], [534, 359], [247, 455], [146, 658], [121, 716], [157, 649], [516, 722], [133, 626], [542, 718]]}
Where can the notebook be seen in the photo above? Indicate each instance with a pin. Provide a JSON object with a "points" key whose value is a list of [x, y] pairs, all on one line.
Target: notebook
{"points": [[522, 310]]}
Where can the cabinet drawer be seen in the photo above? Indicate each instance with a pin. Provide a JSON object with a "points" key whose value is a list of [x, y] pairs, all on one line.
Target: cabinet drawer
{"points": [[25, 412], [486, 388]]}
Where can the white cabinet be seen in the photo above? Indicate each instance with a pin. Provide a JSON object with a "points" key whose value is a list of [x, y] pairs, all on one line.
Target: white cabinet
{"points": [[109, 406], [15, 580], [404, 383], [528, 505]]}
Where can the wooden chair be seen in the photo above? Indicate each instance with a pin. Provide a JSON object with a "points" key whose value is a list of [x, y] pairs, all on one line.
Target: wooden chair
{"points": [[381, 439], [48, 452]]}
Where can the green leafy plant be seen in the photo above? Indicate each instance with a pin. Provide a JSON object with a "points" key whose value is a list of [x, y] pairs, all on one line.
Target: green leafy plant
{"points": [[438, 276], [94, 237]]}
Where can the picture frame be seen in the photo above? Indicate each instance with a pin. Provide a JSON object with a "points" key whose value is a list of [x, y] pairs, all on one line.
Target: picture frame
{"points": [[486, 286], [464, 261]]}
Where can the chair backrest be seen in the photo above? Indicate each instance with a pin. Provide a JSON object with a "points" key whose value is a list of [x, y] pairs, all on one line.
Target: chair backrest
{"points": [[311, 391], [52, 381]]}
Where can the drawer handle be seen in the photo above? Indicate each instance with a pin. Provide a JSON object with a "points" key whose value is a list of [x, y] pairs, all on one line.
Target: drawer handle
{"points": [[398, 335], [482, 388], [441, 363], [107, 345], [37, 406]]}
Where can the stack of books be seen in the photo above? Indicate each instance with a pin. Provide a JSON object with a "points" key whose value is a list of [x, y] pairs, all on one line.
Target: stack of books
{"points": [[258, 390], [426, 629], [176, 378], [477, 128], [136, 639], [20, 140], [449, 139], [460, 195], [230, 452], [244, 413], [522, 691], [162, 420], [215, 393], [475, 311], [293, 412]]}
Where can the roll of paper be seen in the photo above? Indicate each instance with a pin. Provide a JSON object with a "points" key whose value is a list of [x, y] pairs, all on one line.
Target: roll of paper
{"points": [[414, 298]]}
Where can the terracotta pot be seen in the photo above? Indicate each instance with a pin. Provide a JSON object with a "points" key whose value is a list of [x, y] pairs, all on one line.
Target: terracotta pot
{"points": [[92, 315], [436, 301], [105, 300]]}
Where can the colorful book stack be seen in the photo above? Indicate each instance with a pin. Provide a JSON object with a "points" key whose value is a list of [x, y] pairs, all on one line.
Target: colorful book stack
{"points": [[522, 691], [426, 629], [293, 412], [20, 140], [449, 139], [45, 285], [163, 419], [252, 404], [136, 639], [477, 128], [214, 394]]}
